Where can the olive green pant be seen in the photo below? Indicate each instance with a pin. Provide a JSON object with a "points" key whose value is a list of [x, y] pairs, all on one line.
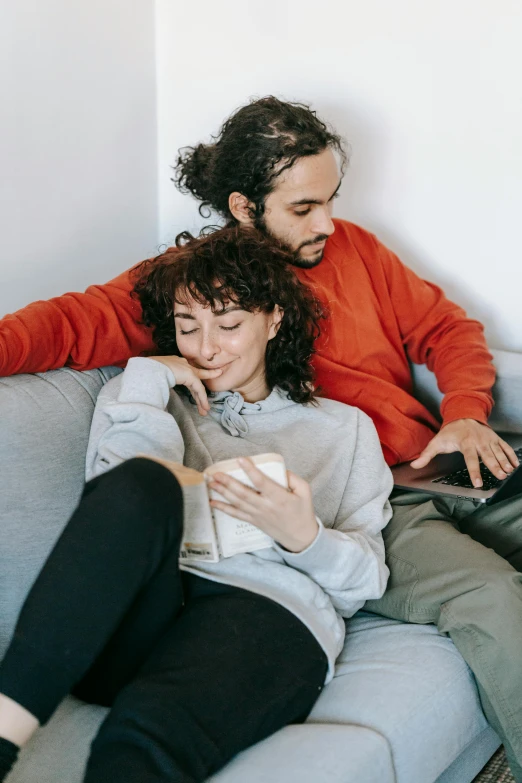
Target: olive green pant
{"points": [[458, 564]]}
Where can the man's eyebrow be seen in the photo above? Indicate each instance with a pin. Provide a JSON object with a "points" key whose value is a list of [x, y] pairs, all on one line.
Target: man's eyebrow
{"points": [[303, 201], [184, 315]]}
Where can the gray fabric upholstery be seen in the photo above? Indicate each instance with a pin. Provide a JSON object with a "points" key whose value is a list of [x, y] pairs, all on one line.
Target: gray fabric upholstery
{"points": [[44, 427], [403, 706], [507, 391]]}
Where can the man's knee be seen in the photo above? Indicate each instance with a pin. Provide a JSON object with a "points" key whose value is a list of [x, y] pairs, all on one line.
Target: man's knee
{"points": [[491, 597]]}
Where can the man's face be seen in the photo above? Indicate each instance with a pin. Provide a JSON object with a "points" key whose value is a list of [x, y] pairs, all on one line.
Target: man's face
{"points": [[298, 212]]}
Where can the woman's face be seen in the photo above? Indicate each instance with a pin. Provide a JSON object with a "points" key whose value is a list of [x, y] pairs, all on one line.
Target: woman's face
{"points": [[231, 339]]}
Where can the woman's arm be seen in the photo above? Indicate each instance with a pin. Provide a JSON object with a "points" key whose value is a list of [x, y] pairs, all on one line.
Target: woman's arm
{"points": [[130, 418], [346, 561]]}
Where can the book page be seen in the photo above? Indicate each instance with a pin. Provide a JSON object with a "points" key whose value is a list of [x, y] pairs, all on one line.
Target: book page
{"points": [[199, 539]]}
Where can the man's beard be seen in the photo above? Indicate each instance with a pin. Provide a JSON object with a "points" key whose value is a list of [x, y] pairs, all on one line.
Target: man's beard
{"points": [[302, 263]]}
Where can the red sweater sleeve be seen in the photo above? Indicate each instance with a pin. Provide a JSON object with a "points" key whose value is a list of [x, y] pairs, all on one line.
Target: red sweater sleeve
{"points": [[99, 327], [438, 333]]}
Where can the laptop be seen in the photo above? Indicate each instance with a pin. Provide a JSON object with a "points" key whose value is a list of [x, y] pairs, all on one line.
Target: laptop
{"points": [[447, 474]]}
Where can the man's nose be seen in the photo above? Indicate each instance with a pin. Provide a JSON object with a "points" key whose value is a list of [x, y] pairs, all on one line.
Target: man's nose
{"points": [[323, 223]]}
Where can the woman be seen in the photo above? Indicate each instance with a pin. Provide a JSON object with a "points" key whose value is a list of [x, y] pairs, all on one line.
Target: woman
{"points": [[201, 661]]}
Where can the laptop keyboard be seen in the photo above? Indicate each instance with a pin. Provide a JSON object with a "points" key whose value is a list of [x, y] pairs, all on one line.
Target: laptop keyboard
{"points": [[460, 478]]}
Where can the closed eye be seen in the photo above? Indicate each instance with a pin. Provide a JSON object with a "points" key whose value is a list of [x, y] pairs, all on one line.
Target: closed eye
{"points": [[225, 328], [307, 211]]}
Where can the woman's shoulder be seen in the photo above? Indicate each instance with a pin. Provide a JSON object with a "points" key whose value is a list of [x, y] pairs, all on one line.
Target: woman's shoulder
{"points": [[338, 409], [343, 415]]}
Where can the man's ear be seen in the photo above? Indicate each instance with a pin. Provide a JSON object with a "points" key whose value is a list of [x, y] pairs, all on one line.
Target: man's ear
{"points": [[240, 208], [277, 317]]}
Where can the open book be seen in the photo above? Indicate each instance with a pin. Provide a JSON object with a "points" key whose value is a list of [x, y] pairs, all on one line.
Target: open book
{"points": [[210, 534]]}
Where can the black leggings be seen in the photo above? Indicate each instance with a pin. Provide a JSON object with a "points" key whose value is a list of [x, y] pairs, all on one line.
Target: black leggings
{"points": [[194, 671]]}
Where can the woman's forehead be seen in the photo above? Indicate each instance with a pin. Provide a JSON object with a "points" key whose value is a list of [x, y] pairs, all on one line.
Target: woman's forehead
{"points": [[187, 304]]}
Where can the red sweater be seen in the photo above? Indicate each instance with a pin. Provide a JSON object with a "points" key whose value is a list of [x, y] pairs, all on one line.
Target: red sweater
{"points": [[381, 313]]}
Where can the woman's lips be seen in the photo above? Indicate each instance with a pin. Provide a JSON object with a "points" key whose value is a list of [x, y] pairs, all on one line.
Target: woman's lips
{"points": [[221, 367]]}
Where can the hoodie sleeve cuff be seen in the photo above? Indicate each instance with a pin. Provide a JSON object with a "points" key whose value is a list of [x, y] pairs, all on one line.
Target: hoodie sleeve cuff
{"points": [[312, 555]]}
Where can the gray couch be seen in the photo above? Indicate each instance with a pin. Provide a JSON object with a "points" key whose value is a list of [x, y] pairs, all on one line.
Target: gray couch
{"points": [[403, 707]]}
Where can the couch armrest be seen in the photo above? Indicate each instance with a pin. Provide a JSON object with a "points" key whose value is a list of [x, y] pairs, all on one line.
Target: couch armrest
{"points": [[507, 391]]}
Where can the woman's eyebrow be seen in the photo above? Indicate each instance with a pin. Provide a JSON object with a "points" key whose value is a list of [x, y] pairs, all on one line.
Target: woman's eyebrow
{"points": [[228, 310], [184, 315]]}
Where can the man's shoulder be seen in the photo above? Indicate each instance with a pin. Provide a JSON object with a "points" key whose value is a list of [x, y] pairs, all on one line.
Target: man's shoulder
{"points": [[345, 231], [350, 240]]}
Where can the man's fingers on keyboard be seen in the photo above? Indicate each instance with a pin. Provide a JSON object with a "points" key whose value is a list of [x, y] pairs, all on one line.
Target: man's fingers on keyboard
{"points": [[491, 460], [502, 458], [510, 452], [472, 464]]}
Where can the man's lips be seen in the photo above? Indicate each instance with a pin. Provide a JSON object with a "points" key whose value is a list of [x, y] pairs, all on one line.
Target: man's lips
{"points": [[314, 245]]}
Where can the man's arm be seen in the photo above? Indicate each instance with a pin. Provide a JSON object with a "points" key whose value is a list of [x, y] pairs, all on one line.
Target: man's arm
{"points": [[99, 327], [438, 333]]}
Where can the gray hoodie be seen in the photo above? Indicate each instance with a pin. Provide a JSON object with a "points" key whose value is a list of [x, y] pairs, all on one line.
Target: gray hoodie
{"points": [[332, 446]]}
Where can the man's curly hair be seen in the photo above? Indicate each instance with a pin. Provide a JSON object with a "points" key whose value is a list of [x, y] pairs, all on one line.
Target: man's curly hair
{"points": [[253, 148], [242, 266]]}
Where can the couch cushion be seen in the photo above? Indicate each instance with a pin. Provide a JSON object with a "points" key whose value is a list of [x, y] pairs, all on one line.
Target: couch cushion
{"points": [[314, 754], [304, 754], [44, 428], [410, 684]]}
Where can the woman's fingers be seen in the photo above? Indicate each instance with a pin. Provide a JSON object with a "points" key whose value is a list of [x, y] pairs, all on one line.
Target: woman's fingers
{"points": [[197, 387], [236, 492], [200, 395], [207, 373], [298, 485], [232, 511], [261, 482]]}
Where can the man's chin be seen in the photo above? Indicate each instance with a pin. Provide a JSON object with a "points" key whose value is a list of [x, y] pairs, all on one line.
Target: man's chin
{"points": [[308, 262]]}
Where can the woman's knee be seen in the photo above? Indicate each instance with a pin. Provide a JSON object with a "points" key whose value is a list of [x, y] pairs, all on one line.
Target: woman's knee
{"points": [[143, 491]]}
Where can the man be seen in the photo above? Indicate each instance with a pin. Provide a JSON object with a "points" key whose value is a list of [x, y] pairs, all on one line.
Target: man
{"points": [[274, 165]]}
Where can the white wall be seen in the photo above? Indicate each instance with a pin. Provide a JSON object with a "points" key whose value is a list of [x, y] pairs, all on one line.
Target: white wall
{"points": [[78, 167], [428, 94]]}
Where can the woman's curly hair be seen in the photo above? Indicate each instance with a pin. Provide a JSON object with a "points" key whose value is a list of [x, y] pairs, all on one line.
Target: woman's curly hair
{"points": [[254, 146], [242, 266]]}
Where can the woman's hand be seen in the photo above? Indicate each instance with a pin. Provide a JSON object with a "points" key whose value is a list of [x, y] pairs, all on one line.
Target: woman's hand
{"points": [[286, 515], [191, 377]]}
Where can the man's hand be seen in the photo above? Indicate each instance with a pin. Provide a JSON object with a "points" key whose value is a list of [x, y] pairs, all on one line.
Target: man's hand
{"points": [[474, 440], [286, 515]]}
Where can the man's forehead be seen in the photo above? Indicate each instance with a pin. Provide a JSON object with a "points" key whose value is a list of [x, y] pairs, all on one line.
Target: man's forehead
{"points": [[315, 177]]}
